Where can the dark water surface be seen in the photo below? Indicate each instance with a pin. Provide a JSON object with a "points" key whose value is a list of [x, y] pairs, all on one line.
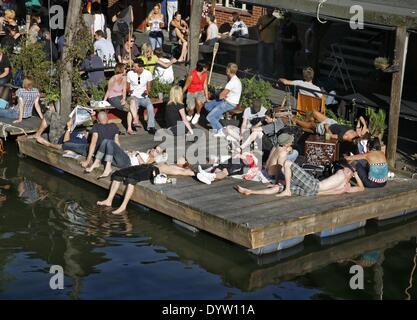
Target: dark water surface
{"points": [[50, 218]]}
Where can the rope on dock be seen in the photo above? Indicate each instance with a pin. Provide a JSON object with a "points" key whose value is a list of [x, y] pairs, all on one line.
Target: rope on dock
{"points": [[5, 126]]}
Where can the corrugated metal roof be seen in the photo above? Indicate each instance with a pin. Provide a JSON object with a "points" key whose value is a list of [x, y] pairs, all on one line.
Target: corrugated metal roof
{"points": [[383, 12]]}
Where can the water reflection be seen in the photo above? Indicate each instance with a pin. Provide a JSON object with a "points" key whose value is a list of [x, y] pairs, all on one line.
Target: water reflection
{"points": [[50, 218]]}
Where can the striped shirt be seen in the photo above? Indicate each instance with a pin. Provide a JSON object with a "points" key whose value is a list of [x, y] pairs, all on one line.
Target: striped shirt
{"points": [[29, 97]]}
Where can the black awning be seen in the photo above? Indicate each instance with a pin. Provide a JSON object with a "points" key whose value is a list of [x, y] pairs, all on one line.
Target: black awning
{"points": [[383, 12]]}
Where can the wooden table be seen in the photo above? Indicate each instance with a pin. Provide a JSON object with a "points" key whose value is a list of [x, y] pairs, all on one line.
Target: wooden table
{"points": [[320, 151], [237, 46]]}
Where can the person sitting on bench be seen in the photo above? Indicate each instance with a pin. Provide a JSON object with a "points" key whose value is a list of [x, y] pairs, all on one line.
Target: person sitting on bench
{"points": [[299, 182]]}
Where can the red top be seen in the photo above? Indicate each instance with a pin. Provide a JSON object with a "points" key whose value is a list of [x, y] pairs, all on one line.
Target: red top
{"points": [[197, 84]]}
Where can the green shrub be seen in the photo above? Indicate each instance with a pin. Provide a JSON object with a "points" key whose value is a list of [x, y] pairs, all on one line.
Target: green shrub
{"points": [[330, 114], [158, 86], [376, 124], [33, 62], [255, 89], [98, 92]]}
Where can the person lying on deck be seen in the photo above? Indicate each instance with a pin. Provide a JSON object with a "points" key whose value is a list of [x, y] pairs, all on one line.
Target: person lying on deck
{"points": [[28, 97], [299, 182], [132, 175], [372, 166], [59, 135], [75, 141], [236, 165], [327, 125], [267, 130]]}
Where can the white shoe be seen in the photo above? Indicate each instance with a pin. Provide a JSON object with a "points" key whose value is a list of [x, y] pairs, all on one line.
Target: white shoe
{"points": [[200, 169], [195, 119], [219, 134], [189, 118], [204, 178]]}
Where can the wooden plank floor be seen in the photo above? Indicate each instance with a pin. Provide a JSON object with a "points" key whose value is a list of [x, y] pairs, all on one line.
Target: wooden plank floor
{"points": [[26, 126], [252, 222]]}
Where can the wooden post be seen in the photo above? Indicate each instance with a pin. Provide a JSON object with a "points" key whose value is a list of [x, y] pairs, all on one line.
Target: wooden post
{"points": [[213, 6], [195, 24], [71, 27], [401, 45]]}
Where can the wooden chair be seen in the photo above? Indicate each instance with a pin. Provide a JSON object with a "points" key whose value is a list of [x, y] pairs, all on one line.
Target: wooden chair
{"points": [[308, 103]]}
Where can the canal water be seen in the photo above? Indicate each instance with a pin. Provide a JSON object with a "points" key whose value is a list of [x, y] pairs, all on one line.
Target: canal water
{"points": [[49, 218]]}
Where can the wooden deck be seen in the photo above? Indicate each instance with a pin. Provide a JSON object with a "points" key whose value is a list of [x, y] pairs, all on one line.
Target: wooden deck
{"points": [[252, 222], [7, 127]]}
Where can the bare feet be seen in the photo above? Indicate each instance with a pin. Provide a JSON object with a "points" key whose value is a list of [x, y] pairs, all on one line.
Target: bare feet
{"points": [[119, 211], [131, 132], [105, 203], [93, 166], [242, 190]]}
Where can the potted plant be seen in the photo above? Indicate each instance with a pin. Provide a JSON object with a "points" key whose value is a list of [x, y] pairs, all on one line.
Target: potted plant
{"points": [[98, 92], [160, 90], [52, 97], [255, 89], [376, 124], [381, 63]]}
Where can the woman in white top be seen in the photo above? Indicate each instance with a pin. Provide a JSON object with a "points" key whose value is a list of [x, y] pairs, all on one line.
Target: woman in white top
{"points": [[99, 21], [155, 22], [212, 31], [164, 71]]}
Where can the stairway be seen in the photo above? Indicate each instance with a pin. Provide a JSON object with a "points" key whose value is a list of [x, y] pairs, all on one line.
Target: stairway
{"points": [[358, 48]]}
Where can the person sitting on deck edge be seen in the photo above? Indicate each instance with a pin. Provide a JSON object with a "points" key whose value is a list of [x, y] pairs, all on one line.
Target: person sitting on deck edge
{"points": [[101, 131], [132, 175], [28, 97]]}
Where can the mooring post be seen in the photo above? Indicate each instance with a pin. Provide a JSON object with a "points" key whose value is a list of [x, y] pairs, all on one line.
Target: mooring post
{"points": [[401, 44]]}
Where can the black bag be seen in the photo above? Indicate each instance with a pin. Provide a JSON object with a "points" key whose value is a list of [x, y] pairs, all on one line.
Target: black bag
{"points": [[123, 27]]}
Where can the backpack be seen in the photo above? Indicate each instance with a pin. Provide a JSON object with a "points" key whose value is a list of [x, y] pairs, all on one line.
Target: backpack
{"points": [[123, 27]]}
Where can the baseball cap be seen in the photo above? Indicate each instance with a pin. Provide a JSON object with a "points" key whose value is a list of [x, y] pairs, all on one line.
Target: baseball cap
{"points": [[285, 138]]}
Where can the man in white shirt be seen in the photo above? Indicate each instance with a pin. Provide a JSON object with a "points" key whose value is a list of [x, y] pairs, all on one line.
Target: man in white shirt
{"points": [[140, 82], [228, 100], [103, 47], [308, 75], [239, 28]]}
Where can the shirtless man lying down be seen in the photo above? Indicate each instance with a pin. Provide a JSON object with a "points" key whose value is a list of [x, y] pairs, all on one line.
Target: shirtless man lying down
{"points": [[299, 182]]}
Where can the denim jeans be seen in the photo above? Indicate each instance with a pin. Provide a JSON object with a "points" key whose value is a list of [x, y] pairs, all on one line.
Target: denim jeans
{"points": [[155, 42], [10, 113], [293, 155], [266, 58], [216, 109], [110, 151], [146, 103], [79, 148]]}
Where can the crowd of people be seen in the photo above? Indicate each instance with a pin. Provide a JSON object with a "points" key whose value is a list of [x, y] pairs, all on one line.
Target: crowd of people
{"points": [[129, 88]]}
